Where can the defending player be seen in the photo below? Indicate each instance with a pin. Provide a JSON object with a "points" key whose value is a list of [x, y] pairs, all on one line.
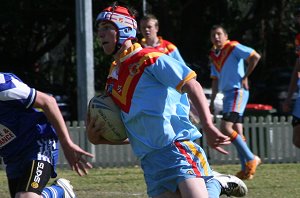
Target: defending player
{"points": [[294, 85], [29, 143], [228, 76], [148, 86]]}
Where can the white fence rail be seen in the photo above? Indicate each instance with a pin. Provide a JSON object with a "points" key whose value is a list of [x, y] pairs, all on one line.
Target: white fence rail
{"points": [[268, 137]]}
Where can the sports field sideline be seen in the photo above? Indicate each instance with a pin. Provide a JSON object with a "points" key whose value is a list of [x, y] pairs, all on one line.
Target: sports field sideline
{"points": [[271, 181]]}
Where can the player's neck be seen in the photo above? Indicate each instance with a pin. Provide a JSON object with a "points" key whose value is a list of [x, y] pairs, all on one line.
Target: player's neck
{"points": [[153, 41], [127, 44]]}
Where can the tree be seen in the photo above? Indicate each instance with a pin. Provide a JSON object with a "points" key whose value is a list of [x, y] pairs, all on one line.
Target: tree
{"points": [[30, 31], [37, 38]]}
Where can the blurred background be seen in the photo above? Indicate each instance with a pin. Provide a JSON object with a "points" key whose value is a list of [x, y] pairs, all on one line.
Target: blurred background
{"points": [[38, 42]]}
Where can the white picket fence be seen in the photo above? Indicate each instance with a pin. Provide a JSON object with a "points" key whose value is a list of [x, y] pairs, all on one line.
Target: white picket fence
{"points": [[268, 137], [105, 155]]}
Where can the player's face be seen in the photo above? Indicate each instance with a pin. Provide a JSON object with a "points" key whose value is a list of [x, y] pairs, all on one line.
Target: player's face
{"points": [[148, 29], [218, 37], [107, 34]]}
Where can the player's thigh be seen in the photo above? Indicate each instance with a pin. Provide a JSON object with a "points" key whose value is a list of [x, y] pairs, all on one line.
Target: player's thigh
{"points": [[27, 195], [36, 176], [193, 188]]}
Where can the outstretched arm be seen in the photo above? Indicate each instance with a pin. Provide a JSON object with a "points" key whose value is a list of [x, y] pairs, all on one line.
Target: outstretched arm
{"points": [[73, 153]]}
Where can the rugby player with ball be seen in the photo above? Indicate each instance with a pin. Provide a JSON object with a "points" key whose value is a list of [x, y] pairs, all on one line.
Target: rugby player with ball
{"points": [[149, 88]]}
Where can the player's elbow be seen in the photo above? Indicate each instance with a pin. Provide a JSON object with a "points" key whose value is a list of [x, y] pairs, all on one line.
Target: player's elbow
{"points": [[258, 56]]}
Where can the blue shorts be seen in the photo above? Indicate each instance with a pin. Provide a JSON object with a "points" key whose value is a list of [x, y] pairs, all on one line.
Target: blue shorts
{"points": [[165, 168], [43, 150], [235, 100]]}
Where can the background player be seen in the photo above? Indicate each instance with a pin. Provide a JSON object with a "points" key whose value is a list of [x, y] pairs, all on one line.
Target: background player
{"points": [[149, 26], [295, 80], [229, 76]]}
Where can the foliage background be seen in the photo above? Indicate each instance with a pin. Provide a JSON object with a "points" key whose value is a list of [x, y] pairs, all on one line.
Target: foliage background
{"points": [[37, 38]]}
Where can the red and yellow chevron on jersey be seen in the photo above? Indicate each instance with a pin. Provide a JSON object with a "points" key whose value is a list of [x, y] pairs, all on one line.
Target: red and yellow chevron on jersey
{"points": [[164, 46], [125, 74], [219, 58]]}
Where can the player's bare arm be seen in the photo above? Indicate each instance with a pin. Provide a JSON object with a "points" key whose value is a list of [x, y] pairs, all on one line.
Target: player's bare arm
{"points": [[214, 137], [49, 106], [252, 62], [214, 91], [73, 153]]}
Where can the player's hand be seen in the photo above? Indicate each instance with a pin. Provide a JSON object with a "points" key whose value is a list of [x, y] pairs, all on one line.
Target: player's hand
{"points": [[216, 139], [76, 157], [94, 130]]}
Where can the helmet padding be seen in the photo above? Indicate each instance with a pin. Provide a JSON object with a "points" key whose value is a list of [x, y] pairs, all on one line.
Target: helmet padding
{"points": [[122, 19]]}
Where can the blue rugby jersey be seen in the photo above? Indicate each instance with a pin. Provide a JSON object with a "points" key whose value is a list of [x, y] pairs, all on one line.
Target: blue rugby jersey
{"points": [[20, 124], [146, 86], [227, 65], [165, 47]]}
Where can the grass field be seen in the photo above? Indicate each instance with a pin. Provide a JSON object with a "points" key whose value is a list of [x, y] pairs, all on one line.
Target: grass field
{"points": [[271, 181]]}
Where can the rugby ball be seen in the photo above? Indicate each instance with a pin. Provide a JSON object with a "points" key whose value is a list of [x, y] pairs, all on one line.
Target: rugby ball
{"points": [[103, 109]]}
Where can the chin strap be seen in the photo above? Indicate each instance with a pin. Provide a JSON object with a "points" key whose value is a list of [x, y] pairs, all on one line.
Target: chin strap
{"points": [[118, 46]]}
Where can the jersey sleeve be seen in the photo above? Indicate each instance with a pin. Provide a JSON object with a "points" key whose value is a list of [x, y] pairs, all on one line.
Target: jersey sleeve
{"points": [[175, 54], [14, 92], [171, 72], [242, 51]]}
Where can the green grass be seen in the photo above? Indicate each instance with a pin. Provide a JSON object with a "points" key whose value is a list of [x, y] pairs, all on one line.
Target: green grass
{"points": [[271, 180]]}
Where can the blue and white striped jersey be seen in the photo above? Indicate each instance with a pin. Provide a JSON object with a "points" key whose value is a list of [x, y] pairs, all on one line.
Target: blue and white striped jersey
{"points": [[21, 125]]}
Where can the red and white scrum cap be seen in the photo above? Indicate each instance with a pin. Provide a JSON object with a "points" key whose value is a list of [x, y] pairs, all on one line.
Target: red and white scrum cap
{"points": [[124, 21]]}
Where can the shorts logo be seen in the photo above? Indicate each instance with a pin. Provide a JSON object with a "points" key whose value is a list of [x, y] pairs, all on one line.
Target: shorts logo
{"points": [[38, 173], [34, 185]]}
